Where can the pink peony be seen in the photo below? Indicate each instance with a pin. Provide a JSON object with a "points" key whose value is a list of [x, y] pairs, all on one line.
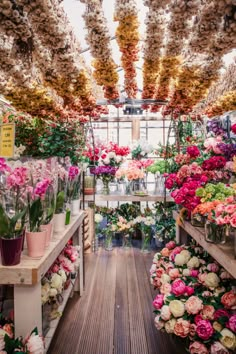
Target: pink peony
{"points": [[218, 348], [165, 313], [174, 273], [35, 344], [189, 290], [208, 312], [202, 277], [213, 267], [170, 245], [158, 301], [229, 299], [165, 252], [192, 329], [181, 328], [193, 305], [194, 273], [165, 289], [204, 329], [221, 313], [178, 287], [159, 272], [232, 323], [197, 318], [198, 348]]}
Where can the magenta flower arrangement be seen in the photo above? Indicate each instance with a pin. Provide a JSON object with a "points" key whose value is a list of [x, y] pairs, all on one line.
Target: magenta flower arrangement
{"points": [[214, 163], [99, 171], [73, 186], [193, 151]]}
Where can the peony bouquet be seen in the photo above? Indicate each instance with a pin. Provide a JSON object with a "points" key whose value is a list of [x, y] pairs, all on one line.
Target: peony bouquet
{"points": [[196, 299]]}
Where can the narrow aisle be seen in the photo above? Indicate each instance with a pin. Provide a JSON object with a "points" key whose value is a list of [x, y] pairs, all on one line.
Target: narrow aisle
{"points": [[115, 314]]}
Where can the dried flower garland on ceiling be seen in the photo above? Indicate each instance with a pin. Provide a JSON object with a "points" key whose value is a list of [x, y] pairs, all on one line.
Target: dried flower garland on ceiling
{"points": [[179, 26], [193, 82], [127, 37], [152, 50], [98, 39]]}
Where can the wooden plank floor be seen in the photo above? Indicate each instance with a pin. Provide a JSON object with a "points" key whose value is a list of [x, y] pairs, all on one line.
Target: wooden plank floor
{"points": [[115, 313]]}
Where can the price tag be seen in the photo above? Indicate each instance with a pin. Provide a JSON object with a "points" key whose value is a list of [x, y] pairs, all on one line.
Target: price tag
{"points": [[7, 140]]}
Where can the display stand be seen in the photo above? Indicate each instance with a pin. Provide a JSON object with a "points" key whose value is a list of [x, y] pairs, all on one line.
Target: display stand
{"points": [[26, 278], [223, 254]]}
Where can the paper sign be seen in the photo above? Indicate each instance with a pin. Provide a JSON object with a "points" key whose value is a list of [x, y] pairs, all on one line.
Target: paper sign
{"points": [[7, 140]]}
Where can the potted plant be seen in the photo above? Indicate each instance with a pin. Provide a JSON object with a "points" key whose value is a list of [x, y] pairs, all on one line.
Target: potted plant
{"points": [[48, 213], [73, 189], [36, 235], [59, 217], [13, 210]]}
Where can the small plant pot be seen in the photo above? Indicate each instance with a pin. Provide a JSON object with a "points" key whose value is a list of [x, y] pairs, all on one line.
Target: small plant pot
{"points": [[48, 229], [59, 222], [36, 243], [11, 249], [75, 207]]}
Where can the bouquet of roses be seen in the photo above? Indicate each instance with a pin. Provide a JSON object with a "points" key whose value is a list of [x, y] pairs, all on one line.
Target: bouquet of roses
{"points": [[113, 155], [196, 299]]}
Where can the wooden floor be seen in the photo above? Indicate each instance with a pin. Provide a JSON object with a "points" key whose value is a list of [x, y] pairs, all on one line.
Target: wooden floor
{"points": [[115, 313]]}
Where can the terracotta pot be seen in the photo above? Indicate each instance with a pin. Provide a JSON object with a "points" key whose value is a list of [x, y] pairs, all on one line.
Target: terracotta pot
{"points": [[48, 229], [36, 243], [11, 249]]}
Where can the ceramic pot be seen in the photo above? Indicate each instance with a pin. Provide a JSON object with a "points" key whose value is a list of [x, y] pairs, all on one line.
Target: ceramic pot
{"points": [[59, 222], [36, 243], [11, 249], [75, 207]]}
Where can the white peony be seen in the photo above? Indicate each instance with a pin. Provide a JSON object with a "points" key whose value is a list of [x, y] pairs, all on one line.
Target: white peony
{"points": [[193, 263], [212, 280], [35, 344], [186, 255], [179, 260], [98, 218], [186, 272], [169, 325], [165, 278]]}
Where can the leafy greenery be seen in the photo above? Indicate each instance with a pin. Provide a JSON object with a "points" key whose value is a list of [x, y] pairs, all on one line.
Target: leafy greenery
{"points": [[35, 215], [8, 226]]}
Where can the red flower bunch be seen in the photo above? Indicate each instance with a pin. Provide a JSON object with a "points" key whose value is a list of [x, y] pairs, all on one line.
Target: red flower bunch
{"points": [[92, 154], [214, 163], [185, 196], [172, 181], [119, 150], [233, 128], [193, 151]]}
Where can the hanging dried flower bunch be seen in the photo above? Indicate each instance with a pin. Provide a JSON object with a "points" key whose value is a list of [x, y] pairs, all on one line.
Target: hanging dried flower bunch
{"points": [[127, 37]]}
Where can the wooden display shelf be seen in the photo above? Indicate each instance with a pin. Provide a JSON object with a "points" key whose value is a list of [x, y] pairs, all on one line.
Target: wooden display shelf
{"points": [[126, 198], [30, 271], [223, 254]]}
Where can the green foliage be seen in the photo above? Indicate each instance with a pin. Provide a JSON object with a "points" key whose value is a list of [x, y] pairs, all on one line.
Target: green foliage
{"points": [[62, 139], [35, 215], [60, 202], [8, 225]]}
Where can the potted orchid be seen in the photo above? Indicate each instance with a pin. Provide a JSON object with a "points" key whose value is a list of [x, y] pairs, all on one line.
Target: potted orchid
{"points": [[73, 189], [36, 236], [59, 217], [13, 211]]}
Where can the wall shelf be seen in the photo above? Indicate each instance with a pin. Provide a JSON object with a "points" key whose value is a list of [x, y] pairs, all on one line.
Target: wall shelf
{"points": [[223, 254]]}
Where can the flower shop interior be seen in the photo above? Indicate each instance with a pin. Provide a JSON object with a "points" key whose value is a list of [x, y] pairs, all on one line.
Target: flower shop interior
{"points": [[118, 176]]}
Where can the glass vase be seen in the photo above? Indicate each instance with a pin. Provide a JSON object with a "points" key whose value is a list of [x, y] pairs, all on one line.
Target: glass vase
{"points": [[108, 242], [146, 242], [105, 189], [198, 220], [215, 233], [126, 241], [138, 187]]}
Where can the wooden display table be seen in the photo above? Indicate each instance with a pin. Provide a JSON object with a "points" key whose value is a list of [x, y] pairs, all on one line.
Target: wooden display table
{"points": [[223, 254], [126, 198], [26, 278]]}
